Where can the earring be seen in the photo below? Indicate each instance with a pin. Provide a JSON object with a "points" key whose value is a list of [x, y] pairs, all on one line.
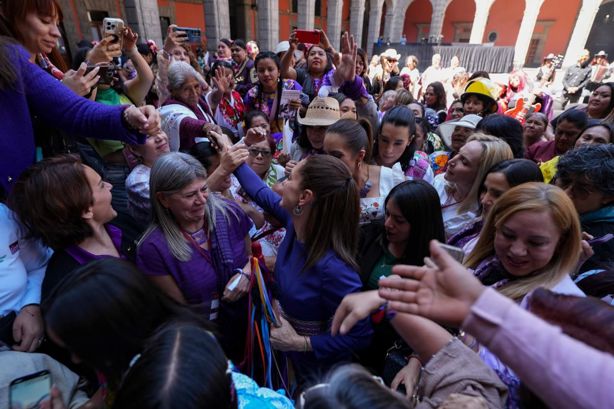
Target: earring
{"points": [[298, 210]]}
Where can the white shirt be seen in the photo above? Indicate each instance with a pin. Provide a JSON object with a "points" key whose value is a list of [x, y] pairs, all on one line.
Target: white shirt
{"points": [[453, 221], [22, 265]]}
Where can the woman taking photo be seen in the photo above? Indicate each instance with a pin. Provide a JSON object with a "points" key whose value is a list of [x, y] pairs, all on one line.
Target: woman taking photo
{"points": [[315, 265], [196, 249], [397, 144], [350, 141], [459, 186]]}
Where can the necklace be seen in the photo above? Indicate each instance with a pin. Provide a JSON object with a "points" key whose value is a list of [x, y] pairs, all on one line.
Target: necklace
{"points": [[364, 190]]}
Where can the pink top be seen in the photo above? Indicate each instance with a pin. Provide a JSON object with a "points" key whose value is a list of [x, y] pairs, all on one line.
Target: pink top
{"points": [[565, 373]]}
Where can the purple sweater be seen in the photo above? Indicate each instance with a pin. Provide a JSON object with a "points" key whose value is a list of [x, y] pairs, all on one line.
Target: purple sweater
{"points": [[309, 298], [37, 93]]}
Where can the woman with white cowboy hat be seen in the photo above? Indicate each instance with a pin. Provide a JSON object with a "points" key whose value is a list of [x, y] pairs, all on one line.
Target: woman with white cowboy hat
{"points": [[321, 113]]}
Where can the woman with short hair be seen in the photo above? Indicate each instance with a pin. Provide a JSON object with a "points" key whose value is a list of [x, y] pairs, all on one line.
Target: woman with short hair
{"points": [[74, 217]]}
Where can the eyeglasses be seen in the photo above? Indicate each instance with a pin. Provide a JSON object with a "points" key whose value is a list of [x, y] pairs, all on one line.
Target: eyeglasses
{"points": [[255, 152]]}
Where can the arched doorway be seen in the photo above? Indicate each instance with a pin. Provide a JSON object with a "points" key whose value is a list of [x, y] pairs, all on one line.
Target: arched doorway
{"points": [[504, 22], [555, 23], [458, 21], [600, 37], [418, 21]]}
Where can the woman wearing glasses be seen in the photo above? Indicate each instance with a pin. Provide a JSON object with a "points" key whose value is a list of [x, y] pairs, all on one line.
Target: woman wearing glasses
{"points": [[261, 161]]}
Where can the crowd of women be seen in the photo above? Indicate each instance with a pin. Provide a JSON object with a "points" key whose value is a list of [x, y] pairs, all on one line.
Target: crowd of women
{"points": [[296, 227]]}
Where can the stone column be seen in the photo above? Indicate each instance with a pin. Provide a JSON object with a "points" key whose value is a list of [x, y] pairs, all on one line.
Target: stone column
{"points": [[333, 22], [531, 11], [439, 13], [357, 14], [394, 27], [268, 24], [143, 17], [482, 9], [390, 10], [217, 22], [584, 23], [306, 14], [375, 16]]}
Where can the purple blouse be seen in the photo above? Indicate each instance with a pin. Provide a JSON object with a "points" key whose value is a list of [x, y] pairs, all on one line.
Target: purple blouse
{"points": [[83, 256], [197, 279]]}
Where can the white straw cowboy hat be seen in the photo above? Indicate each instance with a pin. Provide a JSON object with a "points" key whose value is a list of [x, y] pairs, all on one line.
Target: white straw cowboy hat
{"points": [[446, 128], [391, 54], [321, 112]]}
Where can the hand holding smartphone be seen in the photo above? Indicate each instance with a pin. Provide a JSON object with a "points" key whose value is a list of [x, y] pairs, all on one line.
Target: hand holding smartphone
{"points": [[193, 35], [114, 27], [30, 390], [308, 36]]}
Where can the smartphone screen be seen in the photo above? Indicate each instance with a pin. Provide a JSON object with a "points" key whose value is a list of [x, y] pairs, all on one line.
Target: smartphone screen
{"points": [[29, 391]]}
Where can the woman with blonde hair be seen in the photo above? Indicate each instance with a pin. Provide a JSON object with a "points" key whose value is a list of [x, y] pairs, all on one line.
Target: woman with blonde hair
{"points": [[531, 238], [459, 187]]}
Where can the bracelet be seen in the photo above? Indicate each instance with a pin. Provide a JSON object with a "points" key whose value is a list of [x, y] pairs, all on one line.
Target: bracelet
{"points": [[383, 312], [241, 272]]}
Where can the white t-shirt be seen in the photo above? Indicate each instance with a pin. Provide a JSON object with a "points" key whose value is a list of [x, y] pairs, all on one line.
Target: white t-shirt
{"points": [[372, 208], [453, 221]]}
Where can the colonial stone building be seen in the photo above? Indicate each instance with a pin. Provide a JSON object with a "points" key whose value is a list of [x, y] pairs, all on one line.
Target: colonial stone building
{"points": [[533, 27]]}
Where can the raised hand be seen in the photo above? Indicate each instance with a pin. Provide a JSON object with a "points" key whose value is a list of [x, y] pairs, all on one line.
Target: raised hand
{"points": [[349, 50], [129, 39], [104, 51], [174, 38], [444, 291], [220, 81]]}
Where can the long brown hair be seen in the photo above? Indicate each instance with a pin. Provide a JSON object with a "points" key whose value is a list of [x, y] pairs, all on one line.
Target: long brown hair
{"points": [[333, 221], [8, 74], [535, 197]]}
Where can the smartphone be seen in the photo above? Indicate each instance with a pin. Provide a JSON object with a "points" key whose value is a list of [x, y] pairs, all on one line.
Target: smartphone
{"points": [[308, 36], [114, 27], [106, 72], [457, 253], [30, 390], [193, 34]]}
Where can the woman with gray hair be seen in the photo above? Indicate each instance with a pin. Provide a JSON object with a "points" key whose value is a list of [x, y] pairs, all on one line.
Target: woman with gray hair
{"points": [[186, 117], [196, 249]]}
